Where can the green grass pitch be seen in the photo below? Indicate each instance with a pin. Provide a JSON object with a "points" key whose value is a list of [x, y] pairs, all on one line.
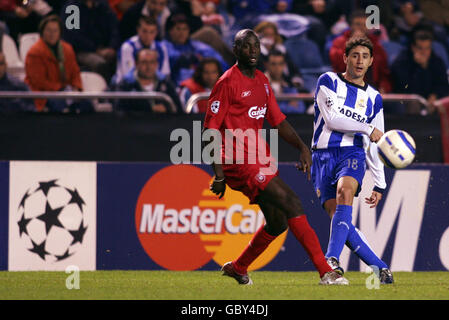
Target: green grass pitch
{"points": [[210, 285]]}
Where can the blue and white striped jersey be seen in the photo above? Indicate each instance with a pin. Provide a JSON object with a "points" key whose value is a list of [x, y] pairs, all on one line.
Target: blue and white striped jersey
{"points": [[126, 57], [346, 115]]}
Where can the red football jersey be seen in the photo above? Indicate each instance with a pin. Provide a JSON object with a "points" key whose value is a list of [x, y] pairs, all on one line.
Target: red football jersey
{"points": [[240, 102]]}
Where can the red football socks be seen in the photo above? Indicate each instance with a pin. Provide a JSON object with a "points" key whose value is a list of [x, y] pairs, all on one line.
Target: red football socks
{"points": [[304, 234], [256, 246], [309, 240]]}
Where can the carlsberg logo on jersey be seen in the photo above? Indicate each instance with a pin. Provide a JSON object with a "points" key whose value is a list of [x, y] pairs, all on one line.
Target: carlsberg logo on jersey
{"points": [[257, 112]]}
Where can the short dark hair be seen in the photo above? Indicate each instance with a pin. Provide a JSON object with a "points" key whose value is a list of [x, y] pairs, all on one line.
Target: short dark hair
{"points": [[421, 35], [275, 53], [46, 20], [176, 18], [358, 41], [146, 20], [197, 75]]}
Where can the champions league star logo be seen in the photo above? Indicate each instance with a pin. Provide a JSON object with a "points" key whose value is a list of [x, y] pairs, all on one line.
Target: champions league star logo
{"points": [[52, 220]]}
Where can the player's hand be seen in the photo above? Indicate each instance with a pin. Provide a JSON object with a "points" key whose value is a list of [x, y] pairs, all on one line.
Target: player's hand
{"points": [[305, 162], [218, 187], [374, 199], [376, 135]]}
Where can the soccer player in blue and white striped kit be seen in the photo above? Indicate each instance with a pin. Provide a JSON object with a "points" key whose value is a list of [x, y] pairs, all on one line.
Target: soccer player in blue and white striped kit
{"points": [[348, 121]]}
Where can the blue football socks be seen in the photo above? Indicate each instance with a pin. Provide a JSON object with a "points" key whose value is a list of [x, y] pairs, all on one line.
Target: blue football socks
{"points": [[356, 241], [340, 226], [343, 231]]}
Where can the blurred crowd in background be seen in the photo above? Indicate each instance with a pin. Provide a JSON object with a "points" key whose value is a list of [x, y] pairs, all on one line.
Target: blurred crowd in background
{"points": [[181, 47]]}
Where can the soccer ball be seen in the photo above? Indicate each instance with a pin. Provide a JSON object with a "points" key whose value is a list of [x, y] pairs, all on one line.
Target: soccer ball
{"points": [[51, 221], [396, 149]]}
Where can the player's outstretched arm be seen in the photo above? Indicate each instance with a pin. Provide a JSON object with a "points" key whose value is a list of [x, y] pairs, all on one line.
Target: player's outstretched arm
{"points": [[326, 100], [289, 134]]}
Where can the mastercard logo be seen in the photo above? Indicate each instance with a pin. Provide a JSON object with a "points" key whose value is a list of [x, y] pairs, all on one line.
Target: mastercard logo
{"points": [[182, 225]]}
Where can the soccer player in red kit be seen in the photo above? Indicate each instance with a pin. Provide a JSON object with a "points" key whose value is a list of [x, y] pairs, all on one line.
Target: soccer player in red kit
{"points": [[241, 99]]}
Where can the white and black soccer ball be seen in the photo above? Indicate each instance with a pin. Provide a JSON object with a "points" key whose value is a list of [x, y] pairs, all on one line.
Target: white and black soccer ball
{"points": [[396, 149], [51, 220]]}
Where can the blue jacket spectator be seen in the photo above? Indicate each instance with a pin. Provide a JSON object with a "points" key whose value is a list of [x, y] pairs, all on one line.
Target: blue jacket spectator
{"points": [[145, 78], [145, 38], [185, 53]]}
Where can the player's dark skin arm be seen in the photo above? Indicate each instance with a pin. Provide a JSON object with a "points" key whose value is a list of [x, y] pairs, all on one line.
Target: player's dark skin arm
{"points": [[289, 134], [218, 186]]}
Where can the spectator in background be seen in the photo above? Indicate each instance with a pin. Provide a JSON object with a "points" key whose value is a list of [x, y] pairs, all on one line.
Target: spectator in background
{"points": [[193, 10], [8, 83], [23, 16], [270, 39], [121, 6], [322, 16], [153, 8], [283, 6], [97, 39], [145, 38], [406, 18], [203, 80], [409, 17], [145, 78], [185, 53], [275, 66], [51, 65], [378, 74], [417, 70], [210, 17]]}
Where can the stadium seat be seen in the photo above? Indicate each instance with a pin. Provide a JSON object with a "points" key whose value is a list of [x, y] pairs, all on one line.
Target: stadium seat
{"points": [[440, 51], [11, 53], [392, 48], [304, 53], [307, 57], [26, 41], [94, 82]]}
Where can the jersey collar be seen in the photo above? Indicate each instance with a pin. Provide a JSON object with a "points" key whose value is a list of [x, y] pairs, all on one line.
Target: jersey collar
{"points": [[352, 83]]}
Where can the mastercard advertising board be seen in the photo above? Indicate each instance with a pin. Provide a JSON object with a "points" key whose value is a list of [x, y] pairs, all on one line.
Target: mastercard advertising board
{"points": [[159, 216], [187, 218]]}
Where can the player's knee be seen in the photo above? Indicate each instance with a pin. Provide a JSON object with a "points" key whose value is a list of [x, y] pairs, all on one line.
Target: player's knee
{"points": [[292, 206], [345, 195], [276, 228]]}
